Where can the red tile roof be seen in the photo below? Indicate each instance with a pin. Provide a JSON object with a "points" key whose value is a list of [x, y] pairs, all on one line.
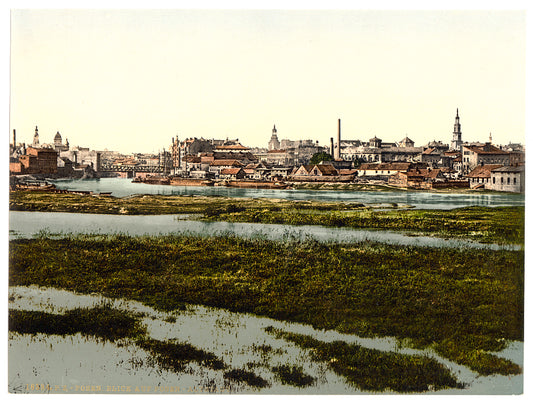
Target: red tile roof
{"points": [[231, 171], [486, 150], [482, 171], [231, 147], [226, 162], [327, 170]]}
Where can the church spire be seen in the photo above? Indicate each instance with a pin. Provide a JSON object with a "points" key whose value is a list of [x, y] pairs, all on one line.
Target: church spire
{"points": [[457, 142], [36, 137], [274, 142]]}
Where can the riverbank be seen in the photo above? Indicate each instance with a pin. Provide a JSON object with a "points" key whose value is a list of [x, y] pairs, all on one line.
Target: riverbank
{"points": [[503, 225], [462, 303]]}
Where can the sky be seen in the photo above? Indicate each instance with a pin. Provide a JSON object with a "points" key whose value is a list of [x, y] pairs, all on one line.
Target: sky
{"points": [[130, 80]]}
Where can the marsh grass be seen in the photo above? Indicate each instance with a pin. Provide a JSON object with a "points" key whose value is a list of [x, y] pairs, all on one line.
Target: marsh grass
{"points": [[248, 377], [494, 225], [101, 322], [371, 369], [175, 355], [293, 375], [123, 328], [471, 298], [490, 225]]}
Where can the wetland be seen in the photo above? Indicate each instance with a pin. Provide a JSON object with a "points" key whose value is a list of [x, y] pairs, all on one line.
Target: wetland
{"points": [[315, 295]]}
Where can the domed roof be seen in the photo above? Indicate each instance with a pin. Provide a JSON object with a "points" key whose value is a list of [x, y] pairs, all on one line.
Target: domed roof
{"points": [[57, 138]]}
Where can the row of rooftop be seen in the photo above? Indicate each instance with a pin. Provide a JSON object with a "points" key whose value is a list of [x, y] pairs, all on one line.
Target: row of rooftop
{"points": [[210, 158]]}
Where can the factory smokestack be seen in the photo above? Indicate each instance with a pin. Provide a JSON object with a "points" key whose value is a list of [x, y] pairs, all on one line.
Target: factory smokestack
{"points": [[14, 138], [337, 155], [332, 149]]}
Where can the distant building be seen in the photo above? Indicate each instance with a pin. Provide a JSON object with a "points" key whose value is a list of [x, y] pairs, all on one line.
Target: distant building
{"points": [[457, 140], [83, 157], [233, 173], [400, 154], [316, 170], [418, 178], [273, 144], [438, 146], [58, 143], [217, 166], [281, 157], [35, 161], [35, 143], [436, 158], [508, 178], [475, 155], [232, 148], [481, 175], [382, 170], [406, 143]]}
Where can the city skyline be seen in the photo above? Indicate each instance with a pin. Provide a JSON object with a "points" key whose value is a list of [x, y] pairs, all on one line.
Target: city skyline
{"points": [[130, 80]]}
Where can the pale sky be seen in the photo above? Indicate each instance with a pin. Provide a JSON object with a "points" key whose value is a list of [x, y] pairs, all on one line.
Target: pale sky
{"points": [[130, 80]]}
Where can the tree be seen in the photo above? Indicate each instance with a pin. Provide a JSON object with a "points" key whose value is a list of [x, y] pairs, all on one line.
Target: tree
{"points": [[320, 157]]}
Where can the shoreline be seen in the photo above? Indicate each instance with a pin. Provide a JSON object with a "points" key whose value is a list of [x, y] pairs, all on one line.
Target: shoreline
{"points": [[482, 224]]}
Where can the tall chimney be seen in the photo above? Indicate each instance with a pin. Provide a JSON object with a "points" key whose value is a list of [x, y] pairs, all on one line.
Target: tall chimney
{"points": [[338, 149], [14, 138], [332, 148]]}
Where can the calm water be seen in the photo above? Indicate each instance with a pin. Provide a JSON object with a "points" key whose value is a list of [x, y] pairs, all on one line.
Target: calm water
{"points": [[77, 360], [26, 224], [423, 200]]}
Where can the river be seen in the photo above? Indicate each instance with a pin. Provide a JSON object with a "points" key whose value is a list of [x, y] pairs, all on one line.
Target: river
{"points": [[27, 224], [419, 199]]}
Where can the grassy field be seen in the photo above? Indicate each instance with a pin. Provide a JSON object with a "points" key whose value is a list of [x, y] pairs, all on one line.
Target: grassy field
{"points": [[463, 303], [494, 225]]}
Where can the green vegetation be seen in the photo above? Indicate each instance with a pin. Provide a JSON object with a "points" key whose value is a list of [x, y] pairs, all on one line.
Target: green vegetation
{"points": [[375, 370], [157, 204], [320, 157], [293, 375], [463, 303], [248, 377], [174, 355], [494, 225], [102, 321], [112, 324]]}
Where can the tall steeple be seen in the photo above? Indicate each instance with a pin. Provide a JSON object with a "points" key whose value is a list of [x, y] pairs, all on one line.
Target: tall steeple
{"points": [[274, 142], [36, 137], [457, 142]]}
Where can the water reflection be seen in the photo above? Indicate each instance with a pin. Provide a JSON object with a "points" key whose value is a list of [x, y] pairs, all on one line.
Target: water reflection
{"points": [[419, 199], [26, 224]]}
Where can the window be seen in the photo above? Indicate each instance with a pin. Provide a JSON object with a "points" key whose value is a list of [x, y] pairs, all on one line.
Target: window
{"points": [[514, 181], [494, 180], [502, 180], [508, 180]]}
